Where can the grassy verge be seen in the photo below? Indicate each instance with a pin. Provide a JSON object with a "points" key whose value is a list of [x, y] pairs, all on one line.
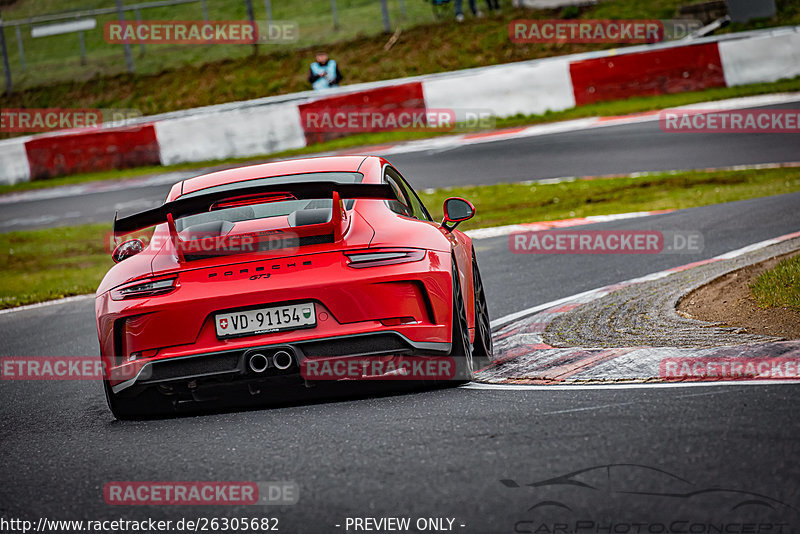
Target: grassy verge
{"points": [[780, 286], [603, 109], [46, 264], [171, 77], [49, 264], [501, 204]]}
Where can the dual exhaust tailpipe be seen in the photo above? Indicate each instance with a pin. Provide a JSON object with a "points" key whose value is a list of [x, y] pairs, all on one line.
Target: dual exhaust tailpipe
{"points": [[258, 362]]}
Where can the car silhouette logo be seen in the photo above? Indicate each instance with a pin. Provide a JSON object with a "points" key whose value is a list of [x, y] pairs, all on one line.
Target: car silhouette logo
{"points": [[618, 479]]}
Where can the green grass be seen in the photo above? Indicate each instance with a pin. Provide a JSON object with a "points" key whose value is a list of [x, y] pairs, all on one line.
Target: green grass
{"points": [[780, 286], [502, 204], [49, 264], [45, 264], [603, 109], [57, 58], [170, 77]]}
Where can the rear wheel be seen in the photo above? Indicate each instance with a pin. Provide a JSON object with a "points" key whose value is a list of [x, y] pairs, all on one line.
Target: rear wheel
{"points": [[461, 349], [146, 404], [482, 348]]}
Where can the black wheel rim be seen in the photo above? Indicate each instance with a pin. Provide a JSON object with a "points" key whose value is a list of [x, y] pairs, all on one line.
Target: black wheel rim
{"points": [[481, 311], [464, 327]]}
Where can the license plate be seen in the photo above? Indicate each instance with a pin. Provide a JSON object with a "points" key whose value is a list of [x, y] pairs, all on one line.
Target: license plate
{"points": [[265, 320]]}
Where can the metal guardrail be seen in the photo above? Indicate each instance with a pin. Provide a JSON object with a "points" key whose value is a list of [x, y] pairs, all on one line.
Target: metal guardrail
{"points": [[120, 9]]}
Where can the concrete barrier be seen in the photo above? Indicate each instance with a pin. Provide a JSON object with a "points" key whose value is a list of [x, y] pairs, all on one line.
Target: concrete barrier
{"points": [[402, 95], [91, 151], [506, 90], [14, 167], [761, 59], [672, 70], [231, 134]]}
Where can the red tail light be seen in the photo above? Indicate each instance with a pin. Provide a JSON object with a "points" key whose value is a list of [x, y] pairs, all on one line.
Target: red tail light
{"points": [[249, 200], [378, 257], [145, 288]]}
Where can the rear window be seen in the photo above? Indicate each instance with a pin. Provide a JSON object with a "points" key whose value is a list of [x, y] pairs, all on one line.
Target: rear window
{"points": [[315, 209]]}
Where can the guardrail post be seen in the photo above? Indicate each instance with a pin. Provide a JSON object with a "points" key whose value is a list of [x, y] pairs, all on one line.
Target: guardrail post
{"points": [[335, 14], [139, 19], [128, 54], [21, 48], [82, 41], [268, 7], [387, 27], [252, 16], [6, 66]]}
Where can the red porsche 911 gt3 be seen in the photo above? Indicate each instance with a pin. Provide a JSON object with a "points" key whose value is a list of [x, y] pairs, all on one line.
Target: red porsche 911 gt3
{"points": [[252, 274]]}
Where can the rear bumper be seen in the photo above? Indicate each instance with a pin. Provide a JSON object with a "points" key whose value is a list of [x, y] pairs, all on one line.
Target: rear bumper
{"points": [[350, 304], [231, 366]]}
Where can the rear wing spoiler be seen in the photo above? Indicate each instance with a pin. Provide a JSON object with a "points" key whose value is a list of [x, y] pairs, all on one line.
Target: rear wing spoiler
{"points": [[201, 203]]}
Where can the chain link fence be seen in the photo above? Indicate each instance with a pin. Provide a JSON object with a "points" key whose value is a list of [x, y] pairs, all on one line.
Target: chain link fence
{"points": [[49, 41]]}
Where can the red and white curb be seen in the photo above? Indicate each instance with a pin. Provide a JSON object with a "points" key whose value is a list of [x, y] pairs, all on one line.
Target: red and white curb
{"points": [[449, 142], [522, 357]]}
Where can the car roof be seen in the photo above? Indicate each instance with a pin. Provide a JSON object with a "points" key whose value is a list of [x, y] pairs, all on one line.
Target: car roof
{"points": [[278, 168]]}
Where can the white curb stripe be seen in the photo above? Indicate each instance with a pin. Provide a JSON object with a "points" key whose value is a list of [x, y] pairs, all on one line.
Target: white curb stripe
{"points": [[640, 385], [66, 300]]}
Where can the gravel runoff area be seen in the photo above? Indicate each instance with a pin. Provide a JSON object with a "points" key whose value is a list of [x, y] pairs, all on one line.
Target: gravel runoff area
{"points": [[645, 314]]}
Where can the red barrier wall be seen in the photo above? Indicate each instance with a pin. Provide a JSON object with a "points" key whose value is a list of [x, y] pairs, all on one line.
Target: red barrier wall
{"points": [[674, 70], [97, 150], [407, 95]]}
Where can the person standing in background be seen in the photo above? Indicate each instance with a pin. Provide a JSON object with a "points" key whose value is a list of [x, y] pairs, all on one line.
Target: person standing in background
{"points": [[324, 72], [491, 4], [459, 6]]}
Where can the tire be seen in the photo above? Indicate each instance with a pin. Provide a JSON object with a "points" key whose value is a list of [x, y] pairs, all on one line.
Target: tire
{"points": [[120, 409], [461, 348], [482, 347], [142, 406]]}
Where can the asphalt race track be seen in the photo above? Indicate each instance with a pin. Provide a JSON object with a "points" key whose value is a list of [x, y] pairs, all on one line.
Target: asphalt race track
{"points": [[442, 453]]}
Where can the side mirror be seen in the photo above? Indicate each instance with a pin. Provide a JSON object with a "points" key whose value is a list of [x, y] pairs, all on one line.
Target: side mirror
{"points": [[127, 249], [456, 210]]}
